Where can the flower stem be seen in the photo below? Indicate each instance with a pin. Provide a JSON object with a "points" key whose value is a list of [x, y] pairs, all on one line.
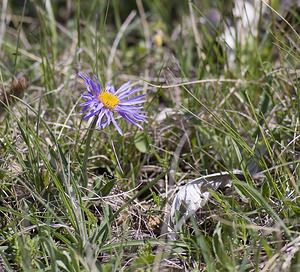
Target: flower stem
{"points": [[84, 181]]}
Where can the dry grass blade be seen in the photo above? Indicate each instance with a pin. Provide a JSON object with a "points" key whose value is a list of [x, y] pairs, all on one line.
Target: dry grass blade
{"points": [[281, 261]]}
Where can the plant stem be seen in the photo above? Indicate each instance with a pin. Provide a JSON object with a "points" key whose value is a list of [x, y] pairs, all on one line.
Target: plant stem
{"points": [[84, 180]]}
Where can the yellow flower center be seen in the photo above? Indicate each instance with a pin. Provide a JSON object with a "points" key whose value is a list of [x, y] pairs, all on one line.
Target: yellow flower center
{"points": [[109, 100]]}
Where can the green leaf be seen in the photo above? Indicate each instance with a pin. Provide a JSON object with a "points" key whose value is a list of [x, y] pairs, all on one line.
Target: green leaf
{"points": [[105, 190], [141, 142]]}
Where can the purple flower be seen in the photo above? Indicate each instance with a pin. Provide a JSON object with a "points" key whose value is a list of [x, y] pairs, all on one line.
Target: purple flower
{"points": [[103, 103]]}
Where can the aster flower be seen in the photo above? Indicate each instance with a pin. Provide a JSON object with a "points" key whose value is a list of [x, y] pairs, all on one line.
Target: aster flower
{"points": [[105, 103]]}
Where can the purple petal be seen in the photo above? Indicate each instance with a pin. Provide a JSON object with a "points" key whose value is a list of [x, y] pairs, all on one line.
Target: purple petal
{"points": [[110, 88], [129, 92], [83, 76], [123, 88], [128, 108], [92, 87], [100, 117], [116, 125], [139, 117], [90, 114], [134, 100], [108, 115], [85, 104], [129, 103], [129, 119]]}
